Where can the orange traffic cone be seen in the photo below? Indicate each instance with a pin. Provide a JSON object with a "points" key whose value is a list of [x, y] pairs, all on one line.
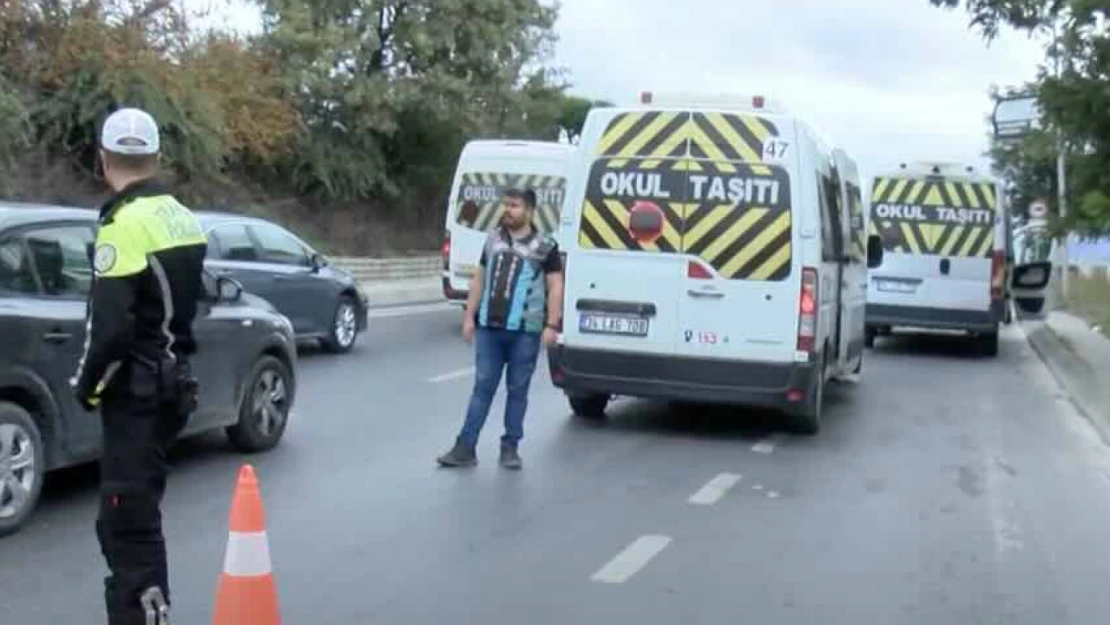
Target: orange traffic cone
{"points": [[245, 594]]}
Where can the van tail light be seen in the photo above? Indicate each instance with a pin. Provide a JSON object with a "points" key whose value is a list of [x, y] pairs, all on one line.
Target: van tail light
{"points": [[807, 310], [998, 267], [445, 250], [697, 271]]}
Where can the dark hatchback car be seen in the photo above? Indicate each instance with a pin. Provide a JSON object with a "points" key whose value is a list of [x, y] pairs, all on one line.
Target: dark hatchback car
{"points": [[323, 301], [245, 361]]}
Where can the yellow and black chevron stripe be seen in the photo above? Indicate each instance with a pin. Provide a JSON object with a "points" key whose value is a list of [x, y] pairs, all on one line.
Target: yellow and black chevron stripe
{"points": [[683, 141], [478, 203], [605, 212], [605, 226], [932, 235], [741, 240]]}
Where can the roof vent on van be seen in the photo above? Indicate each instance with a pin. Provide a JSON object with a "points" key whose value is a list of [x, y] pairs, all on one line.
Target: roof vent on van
{"points": [[725, 101]]}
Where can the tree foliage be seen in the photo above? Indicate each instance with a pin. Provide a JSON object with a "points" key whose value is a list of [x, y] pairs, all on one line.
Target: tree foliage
{"points": [[1074, 100], [338, 103]]}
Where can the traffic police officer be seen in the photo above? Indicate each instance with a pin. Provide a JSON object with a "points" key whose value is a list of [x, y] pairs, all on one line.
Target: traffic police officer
{"points": [[148, 259]]}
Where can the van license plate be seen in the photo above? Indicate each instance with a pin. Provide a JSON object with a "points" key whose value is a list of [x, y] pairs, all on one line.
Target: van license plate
{"points": [[613, 324], [896, 286]]}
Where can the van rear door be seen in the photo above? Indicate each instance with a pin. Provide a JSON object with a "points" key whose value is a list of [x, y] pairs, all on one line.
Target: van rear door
{"points": [[938, 235], [625, 273], [737, 300]]}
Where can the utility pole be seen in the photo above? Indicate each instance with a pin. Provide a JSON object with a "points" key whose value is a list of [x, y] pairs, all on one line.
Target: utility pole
{"points": [[1061, 177]]}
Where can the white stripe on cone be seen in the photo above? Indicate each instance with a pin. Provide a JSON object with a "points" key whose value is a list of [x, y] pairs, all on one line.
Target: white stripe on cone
{"points": [[248, 555]]}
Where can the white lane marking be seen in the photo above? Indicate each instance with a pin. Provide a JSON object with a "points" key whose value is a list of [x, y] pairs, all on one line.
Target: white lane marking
{"points": [[452, 375], [767, 445], [772, 494], [404, 311], [757, 487], [630, 561], [714, 489]]}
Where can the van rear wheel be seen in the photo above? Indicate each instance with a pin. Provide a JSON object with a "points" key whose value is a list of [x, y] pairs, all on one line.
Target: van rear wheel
{"points": [[806, 420], [988, 344], [591, 406]]}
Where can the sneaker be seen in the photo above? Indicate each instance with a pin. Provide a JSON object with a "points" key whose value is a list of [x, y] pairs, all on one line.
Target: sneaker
{"points": [[459, 456], [510, 459]]}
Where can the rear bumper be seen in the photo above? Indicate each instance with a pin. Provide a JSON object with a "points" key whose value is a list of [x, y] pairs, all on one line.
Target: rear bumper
{"points": [[937, 318], [452, 294], [675, 378]]}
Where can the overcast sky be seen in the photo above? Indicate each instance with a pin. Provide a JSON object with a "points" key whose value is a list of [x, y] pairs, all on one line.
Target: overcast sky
{"points": [[889, 80]]}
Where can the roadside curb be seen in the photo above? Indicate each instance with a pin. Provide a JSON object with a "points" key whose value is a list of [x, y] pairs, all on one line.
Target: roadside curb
{"points": [[387, 293], [1086, 387]]}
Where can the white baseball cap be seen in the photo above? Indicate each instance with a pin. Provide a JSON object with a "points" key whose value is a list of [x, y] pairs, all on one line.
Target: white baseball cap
{"points": [[130, 131]]}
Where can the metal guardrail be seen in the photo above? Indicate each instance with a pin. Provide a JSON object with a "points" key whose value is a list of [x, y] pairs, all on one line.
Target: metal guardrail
{"points": [[375, 269]]}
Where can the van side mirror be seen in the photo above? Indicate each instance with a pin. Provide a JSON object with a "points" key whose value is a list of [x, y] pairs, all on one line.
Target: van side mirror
{"points": [[1031, 276], [319, 261], [874, 251]]}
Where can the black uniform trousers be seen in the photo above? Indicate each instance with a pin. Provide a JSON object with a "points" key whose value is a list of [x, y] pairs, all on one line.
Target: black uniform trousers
{"points": [[139, 425]]}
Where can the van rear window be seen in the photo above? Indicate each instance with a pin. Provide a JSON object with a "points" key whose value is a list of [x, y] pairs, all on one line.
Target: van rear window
{"points": [[702, 180], [477, 204], [734, 216], [917, 216]]}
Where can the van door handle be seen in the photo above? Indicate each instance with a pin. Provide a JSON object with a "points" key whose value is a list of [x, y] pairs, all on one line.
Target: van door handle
{"points": [[56, 336], [710, 294]]}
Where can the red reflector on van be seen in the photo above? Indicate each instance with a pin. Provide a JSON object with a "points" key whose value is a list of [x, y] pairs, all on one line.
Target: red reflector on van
{"points": [[645, 221]]}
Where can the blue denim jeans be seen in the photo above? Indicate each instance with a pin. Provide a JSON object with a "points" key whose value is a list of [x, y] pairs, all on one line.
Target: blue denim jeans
{"points": [[495, 350]]}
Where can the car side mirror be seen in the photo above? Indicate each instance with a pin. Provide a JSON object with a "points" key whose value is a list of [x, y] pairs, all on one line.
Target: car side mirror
{"points": [[228, 289], [319, 261], [874, 251]]}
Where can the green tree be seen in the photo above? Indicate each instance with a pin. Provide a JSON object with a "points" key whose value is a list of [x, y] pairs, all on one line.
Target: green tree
{"points": [[572, 117], [359, 68], [15, 134]]}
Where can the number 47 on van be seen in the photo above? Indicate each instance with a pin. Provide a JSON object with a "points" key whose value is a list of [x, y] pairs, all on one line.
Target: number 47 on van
{"points": [[775, 149]]}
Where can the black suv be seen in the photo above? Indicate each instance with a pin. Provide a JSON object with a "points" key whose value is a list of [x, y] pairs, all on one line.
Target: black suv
{"points": [[245, 361]]}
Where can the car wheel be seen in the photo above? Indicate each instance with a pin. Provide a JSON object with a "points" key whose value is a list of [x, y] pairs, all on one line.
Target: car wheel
{"points": [[344, 327], [22, 466], [589, 406], [807, 420], [264, 409]]}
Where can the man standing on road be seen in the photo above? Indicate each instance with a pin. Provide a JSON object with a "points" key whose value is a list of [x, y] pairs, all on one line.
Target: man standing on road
{"points": [[515, 301], [148, 259]]}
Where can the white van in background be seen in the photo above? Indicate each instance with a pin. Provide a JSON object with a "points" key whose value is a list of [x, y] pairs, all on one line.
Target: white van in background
{"points": [[485, 169], [945, 229], [717, 255]]}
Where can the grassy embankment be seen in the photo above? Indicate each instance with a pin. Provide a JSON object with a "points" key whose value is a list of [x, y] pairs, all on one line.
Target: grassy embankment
{"points": [[1089, 298]]}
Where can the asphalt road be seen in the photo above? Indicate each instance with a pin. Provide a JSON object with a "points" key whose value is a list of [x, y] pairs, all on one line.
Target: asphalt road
{"points": [[944, 488]]}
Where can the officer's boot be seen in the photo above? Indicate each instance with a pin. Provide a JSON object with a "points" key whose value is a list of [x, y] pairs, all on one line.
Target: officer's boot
{"points": [[155, 606]]}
